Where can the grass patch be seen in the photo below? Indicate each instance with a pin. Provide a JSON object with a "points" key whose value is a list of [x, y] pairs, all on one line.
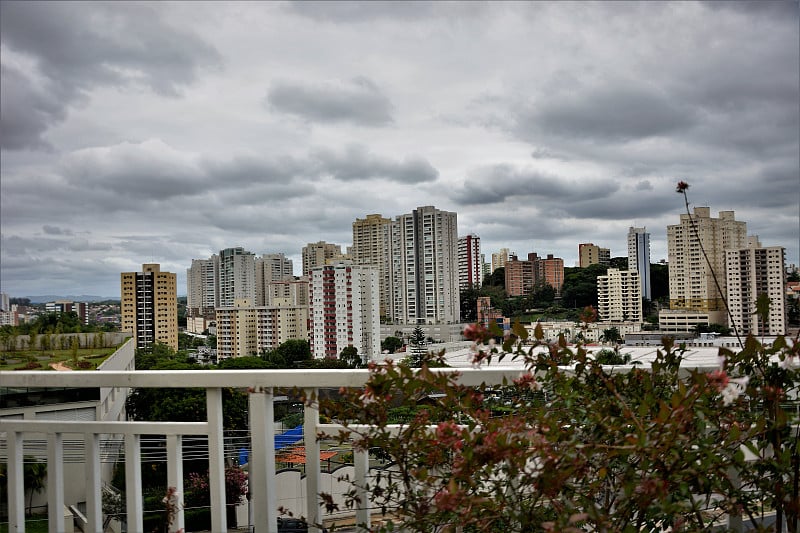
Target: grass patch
{"points": [[33, 524], [21, 358]]}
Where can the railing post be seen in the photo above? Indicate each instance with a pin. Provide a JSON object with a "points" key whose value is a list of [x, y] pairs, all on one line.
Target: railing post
{"points": [[311, 421], [361, 464], [134, 506], [94, 496], [16, 483], [261, 469], [216, 460], [175, 476], [55, 481]]}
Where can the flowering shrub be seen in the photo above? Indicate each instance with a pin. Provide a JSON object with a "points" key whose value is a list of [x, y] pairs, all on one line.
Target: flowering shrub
{"points": [[637, 450], [197, 488], [583, 448]]}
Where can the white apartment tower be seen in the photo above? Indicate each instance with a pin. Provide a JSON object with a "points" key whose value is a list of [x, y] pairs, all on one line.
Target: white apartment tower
{"points": [[425, 267], [202, 285], [237, 276], [469, 262], [345, 310], [752, 272], [691, 281], [320, 253], [371, 246], [619, 296], [639, 257]]}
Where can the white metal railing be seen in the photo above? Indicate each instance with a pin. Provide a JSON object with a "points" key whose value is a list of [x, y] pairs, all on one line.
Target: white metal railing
{"points": [[261, 482]]}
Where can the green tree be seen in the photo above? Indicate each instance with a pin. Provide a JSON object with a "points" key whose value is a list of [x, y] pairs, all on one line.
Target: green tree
{"points": [[542, 295], [391, 344], [580, 286], [612, 335], [659, 281], [74, 352], [418, 349], [469, 303], [350, 356], [496, 278], [34, 474], [620, 263], [244, 363], [290, 354], [793, 310]]}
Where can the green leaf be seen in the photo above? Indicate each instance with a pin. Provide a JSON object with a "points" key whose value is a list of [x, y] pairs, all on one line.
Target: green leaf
{"points": [[519, 330]]}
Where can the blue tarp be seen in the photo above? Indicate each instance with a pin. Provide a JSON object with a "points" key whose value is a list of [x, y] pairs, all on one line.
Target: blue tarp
{"points": [[288, 438], [284, 440]]}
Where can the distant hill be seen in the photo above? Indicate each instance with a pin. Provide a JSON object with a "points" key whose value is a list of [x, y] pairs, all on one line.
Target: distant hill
{"points": [[81, 298]]}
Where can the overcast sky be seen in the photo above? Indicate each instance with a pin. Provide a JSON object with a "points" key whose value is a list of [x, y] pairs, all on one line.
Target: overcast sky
{"points": [[157, 132]]}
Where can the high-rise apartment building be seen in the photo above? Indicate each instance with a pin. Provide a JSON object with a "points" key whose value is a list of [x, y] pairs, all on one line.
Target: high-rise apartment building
{"points": [[425, 267], [270, 268], [485, 267], [345, 310], [320, 253], [691, 279], [754, 272], [237, 329], [639, 257], [521, 276], [202, 286], [237, 276], [551, 271], [469, 262], [149, 306], [372, 247], [499, 258], [619, 296], [589, 254], [244, 329]]}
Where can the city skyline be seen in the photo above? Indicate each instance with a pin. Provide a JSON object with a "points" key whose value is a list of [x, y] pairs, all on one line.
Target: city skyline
{"points": [[196, 127]]}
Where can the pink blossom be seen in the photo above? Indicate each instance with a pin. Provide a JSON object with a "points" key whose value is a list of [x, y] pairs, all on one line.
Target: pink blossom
{"points": [[529, 381], [476, 332]]}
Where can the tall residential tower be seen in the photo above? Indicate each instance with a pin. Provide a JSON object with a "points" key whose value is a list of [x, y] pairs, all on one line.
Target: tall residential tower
{"points": [[149, 306], [425, 267], [639, 257]]}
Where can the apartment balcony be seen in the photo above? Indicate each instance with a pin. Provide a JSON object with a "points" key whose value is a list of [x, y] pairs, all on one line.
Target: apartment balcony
{"points": [[262, 476], [261, 385]]}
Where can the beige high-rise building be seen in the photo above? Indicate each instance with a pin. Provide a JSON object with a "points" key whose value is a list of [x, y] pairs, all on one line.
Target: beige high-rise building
{"points": [[245, 330], [499, 258], [691, 280], [752, 272], [149, 306], [372, 247], [619, 296], [590, 254], [270, 268], [319, 254]]}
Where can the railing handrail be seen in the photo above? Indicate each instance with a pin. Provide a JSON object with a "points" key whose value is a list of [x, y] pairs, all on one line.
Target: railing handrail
{"points": [[270, 378]]}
